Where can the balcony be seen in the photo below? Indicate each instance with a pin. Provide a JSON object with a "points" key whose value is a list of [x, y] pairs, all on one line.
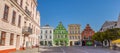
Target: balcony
{"points": [[26, 30], [28, 12]]}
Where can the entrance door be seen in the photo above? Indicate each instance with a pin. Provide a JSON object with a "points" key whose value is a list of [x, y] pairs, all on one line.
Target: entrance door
{"points": [[45, 43], [18, 42], [71, 43], [76, 43], [83, 43]]}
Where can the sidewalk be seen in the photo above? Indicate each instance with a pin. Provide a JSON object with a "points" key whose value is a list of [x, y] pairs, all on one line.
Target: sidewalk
{"points": [[32, 50]]}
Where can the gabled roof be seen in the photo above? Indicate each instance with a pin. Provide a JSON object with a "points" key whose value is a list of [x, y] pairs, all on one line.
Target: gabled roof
{"points": [[60, 26], [108, 23]]}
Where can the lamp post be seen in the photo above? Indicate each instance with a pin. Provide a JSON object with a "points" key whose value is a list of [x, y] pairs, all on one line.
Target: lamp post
{"points": [[26, 31], [23, 41], [38, 44], [24, 35]]}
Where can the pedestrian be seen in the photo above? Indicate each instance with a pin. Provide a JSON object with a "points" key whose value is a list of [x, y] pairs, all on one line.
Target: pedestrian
{"points": [[114, 47], [49, 45], [95, 45]]}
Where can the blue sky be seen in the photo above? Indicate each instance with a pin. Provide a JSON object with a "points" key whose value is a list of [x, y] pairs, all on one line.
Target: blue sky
{"points": [[93, 12]]}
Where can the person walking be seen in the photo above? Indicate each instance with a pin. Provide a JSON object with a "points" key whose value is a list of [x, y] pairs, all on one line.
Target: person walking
{"points": [[114, 47]]}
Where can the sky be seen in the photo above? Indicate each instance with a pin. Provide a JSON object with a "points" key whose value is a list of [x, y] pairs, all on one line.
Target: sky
{"points": [[93, 12]]}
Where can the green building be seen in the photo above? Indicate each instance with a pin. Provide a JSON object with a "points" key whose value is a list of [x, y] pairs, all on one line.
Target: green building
{"points": [[60, 36]]}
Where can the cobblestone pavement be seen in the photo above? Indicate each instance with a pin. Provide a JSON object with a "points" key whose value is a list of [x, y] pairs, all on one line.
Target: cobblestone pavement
{"points": [[73, 49], [33, 50]]}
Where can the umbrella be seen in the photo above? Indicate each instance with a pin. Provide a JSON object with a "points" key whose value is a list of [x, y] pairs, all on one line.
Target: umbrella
{"points": [[116, 41]]}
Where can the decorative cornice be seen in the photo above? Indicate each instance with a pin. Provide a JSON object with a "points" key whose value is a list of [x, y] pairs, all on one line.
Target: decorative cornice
{"points": [[22, 10]]}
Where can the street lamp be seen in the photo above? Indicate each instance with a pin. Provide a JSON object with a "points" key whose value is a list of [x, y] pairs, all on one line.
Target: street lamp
{"points": [[38, 44], [26, 31], [23, 41], [24, 35]]}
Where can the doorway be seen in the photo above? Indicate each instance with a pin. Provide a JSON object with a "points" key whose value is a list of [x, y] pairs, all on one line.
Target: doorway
{"points": [[83, 43], [71, 43], [18, 42]]}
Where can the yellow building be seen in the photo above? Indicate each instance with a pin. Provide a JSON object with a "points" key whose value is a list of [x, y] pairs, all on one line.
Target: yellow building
{"points": [[19, 24]]}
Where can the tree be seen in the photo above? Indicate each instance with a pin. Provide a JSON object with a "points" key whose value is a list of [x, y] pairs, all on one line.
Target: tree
{"points": [[106, 36], [110, 34], [98, 36]]}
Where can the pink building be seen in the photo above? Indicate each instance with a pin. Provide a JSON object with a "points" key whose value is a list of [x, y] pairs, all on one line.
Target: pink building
{"points": [[19, 24]]}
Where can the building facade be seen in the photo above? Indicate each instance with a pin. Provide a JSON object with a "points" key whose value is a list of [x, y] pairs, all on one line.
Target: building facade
{"points": [[46, 36], [60, 36], [74, 34], [19, 24], [87, 34], [110, 25]]}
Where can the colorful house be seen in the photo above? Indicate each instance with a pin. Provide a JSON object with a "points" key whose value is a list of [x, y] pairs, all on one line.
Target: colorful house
{"points": [[87, 34], [60, 37]]}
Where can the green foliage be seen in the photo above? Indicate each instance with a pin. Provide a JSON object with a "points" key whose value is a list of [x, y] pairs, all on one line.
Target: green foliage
{"points": [[110, 34]]}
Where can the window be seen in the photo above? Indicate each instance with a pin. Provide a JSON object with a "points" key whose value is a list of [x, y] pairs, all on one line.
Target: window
{"points": [[11, 38], [90, 33], [16, 1], [46, 31], [50, 37], [75, 37], [61, 32], [41, 31], [78, 37], [72, 32], [31, 4], [90, 37], [21, 2], [34, 29], [30, 25], [19, 21], [13, 17], [85, 37], [6, 10], [25, 23], [65, 36], [78, 31], [2, 38], [41, 37], [72, 37], [58, 36], [46, 36], [50, 31]]}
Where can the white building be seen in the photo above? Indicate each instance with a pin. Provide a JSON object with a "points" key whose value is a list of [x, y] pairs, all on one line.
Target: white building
{"points": [[46, 36], [110, 25], [19, 24]]}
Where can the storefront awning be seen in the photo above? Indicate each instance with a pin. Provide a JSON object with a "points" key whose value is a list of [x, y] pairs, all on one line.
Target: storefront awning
{"points": [[116, 41]]}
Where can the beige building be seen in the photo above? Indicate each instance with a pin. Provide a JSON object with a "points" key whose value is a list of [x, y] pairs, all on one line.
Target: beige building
{"points": [[19, 24], [110, 25], [74, 34]]}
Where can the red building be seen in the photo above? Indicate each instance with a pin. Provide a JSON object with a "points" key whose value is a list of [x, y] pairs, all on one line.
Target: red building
{"points": [[87, 34]]}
